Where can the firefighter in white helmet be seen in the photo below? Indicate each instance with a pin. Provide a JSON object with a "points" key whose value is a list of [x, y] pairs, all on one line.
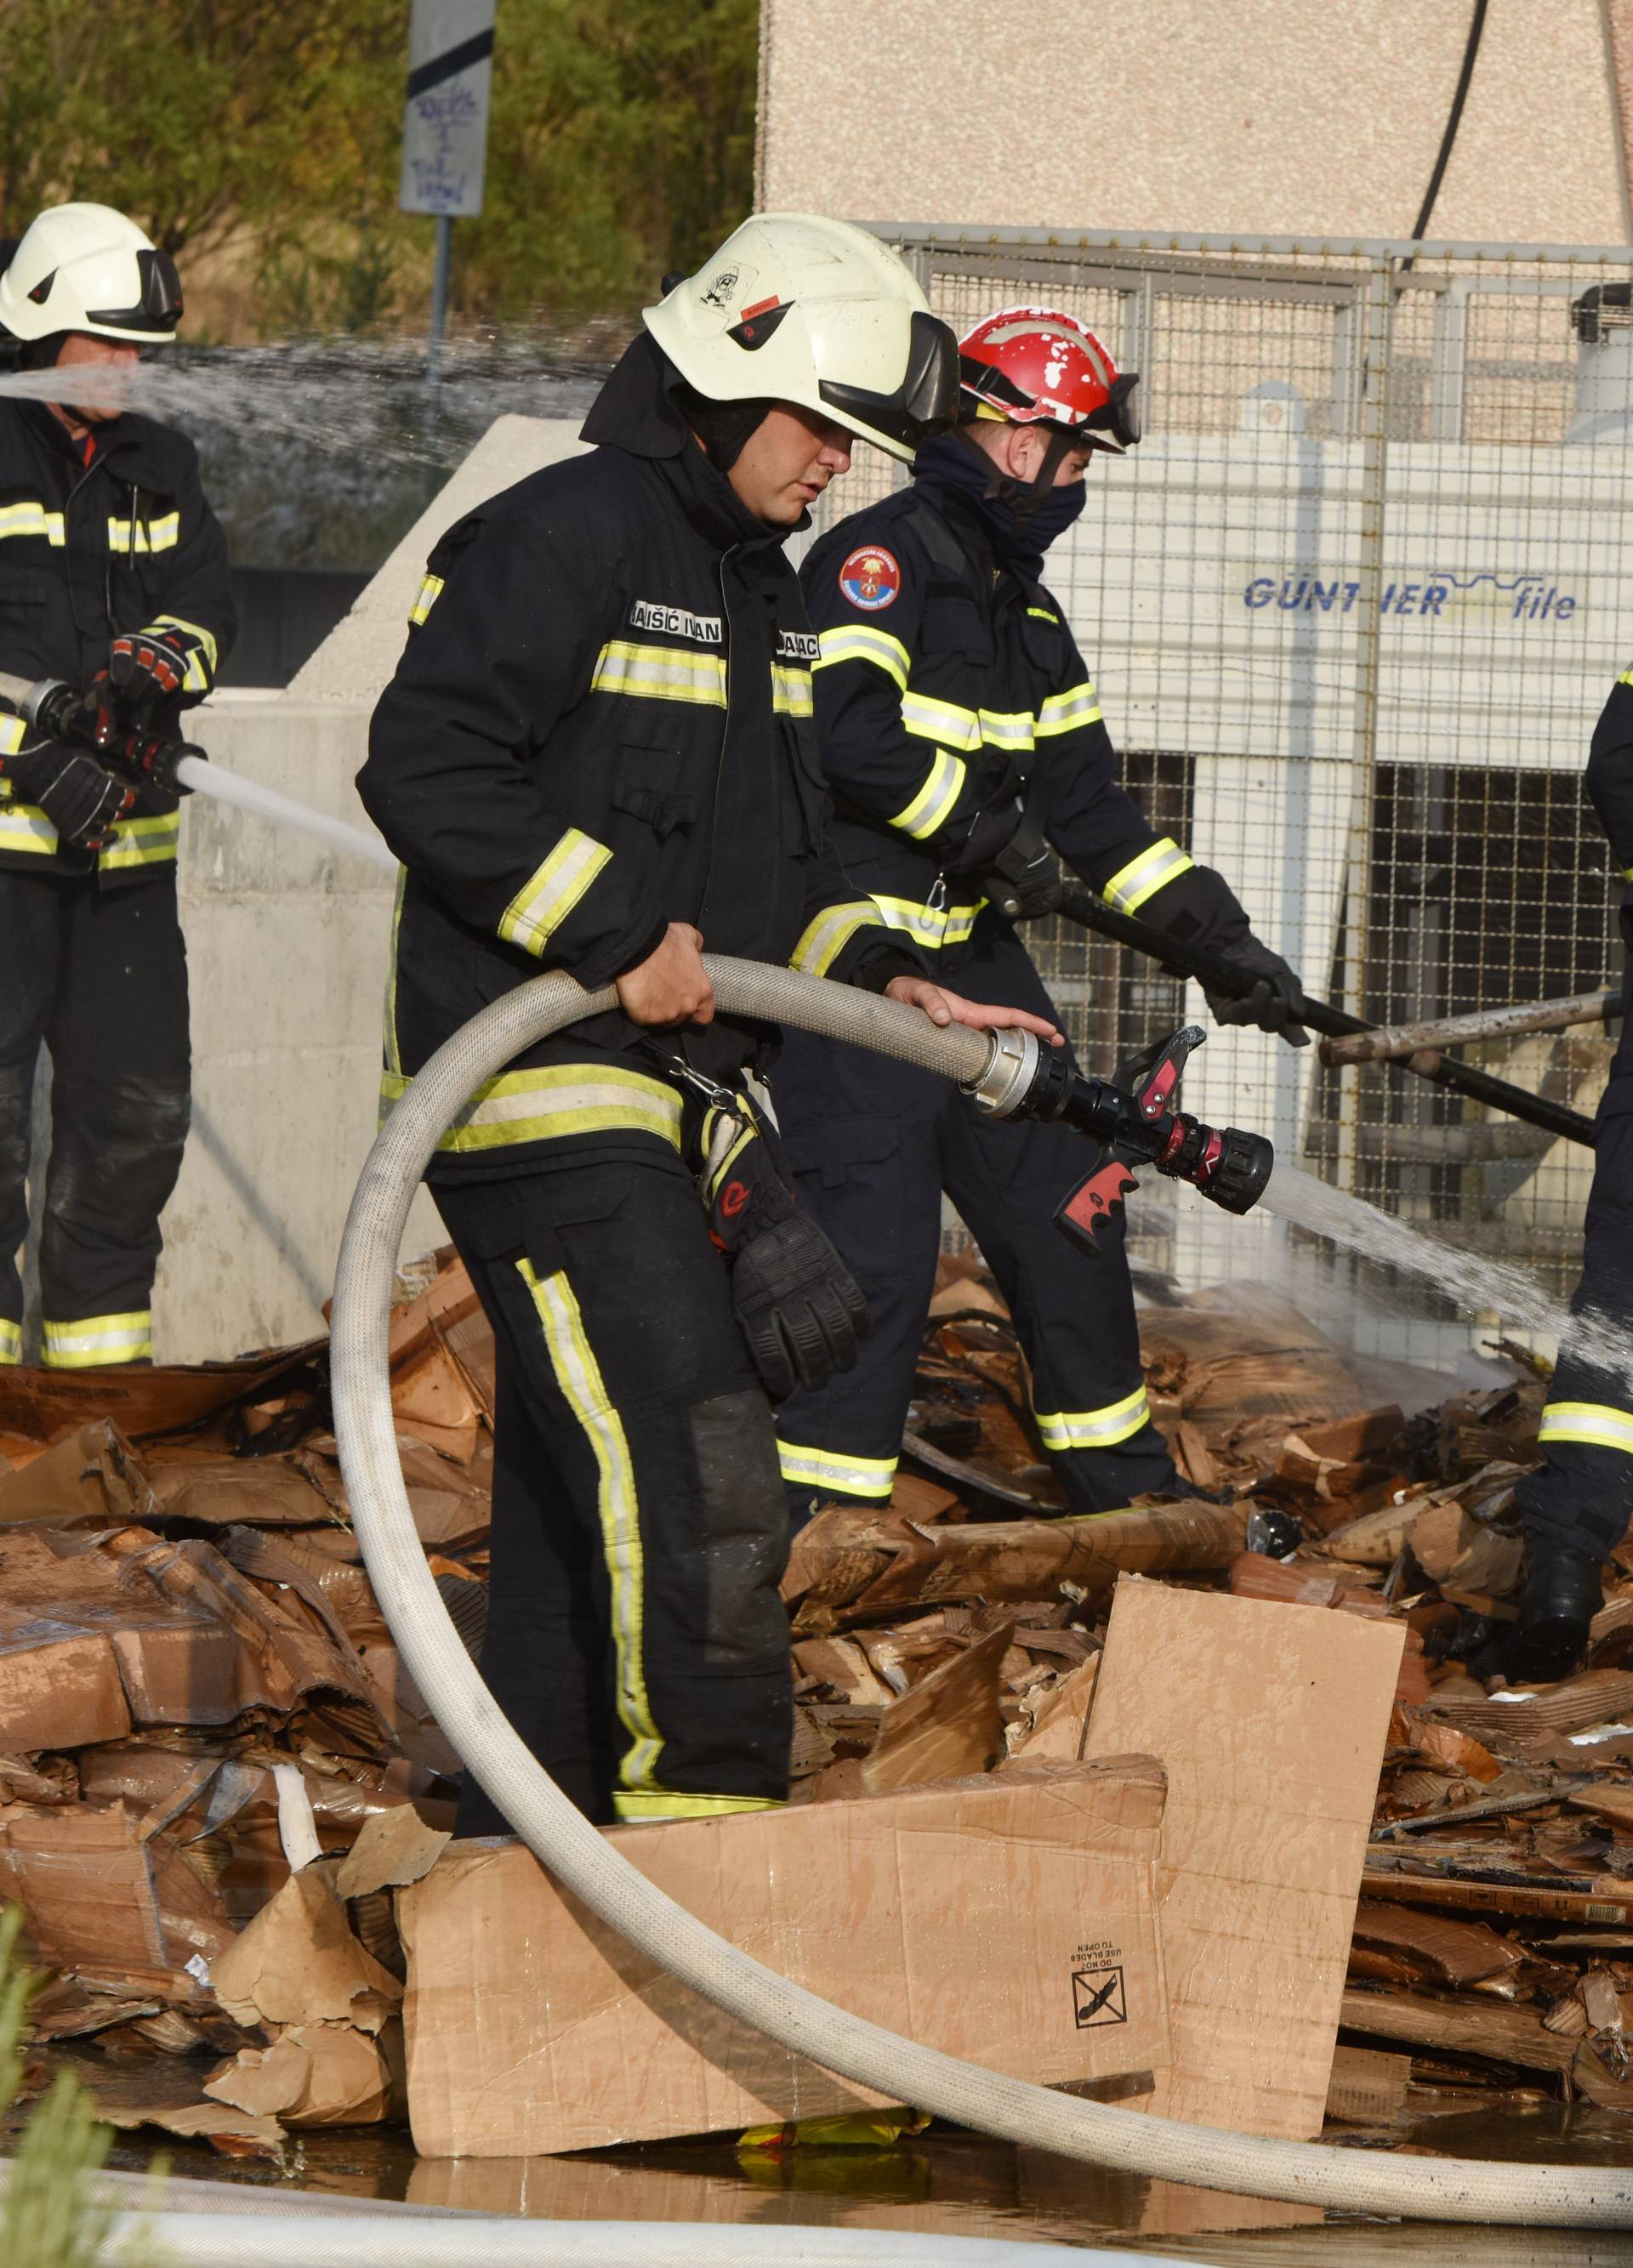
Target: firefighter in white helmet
{"points": [[114, 579], [598, 754]]}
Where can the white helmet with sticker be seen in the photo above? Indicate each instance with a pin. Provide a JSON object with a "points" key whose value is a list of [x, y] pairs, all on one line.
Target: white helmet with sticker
{"points": [[796, 308], [86, 267]]}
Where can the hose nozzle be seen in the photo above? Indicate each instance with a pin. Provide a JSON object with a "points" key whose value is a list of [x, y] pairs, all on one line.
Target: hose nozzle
{"points": [[1132, 1116]]}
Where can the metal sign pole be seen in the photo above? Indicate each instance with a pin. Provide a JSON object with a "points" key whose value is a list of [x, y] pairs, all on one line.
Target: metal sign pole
{"points": [[445, 130], [439, 293]]}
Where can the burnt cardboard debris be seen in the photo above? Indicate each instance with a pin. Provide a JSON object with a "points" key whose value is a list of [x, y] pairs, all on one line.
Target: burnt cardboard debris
{"points": [[219, 1792]]}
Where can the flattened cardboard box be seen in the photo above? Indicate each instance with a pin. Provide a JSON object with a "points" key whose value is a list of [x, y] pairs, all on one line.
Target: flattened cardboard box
{"points": [[1011, 1921]]}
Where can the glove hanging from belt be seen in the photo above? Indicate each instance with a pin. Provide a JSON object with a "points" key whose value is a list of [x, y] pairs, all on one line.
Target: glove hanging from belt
{"points": [[1199, 908], [81, 800], [798, 1306]]}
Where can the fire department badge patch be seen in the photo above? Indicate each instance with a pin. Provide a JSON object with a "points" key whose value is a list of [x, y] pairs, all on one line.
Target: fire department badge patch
{"points": [[870, 578]]}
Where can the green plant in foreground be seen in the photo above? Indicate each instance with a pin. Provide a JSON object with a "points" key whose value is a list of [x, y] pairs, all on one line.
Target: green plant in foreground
{"points": [[48, 2218]]}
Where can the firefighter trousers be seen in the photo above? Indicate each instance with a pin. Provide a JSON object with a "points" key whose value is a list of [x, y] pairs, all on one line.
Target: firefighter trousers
{"points": [[636, 1638], [99, 976], [874, 1143], [1583, 1495]]}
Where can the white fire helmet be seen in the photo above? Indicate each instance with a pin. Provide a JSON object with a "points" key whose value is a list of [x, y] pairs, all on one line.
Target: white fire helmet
{"points": [[86, 267], [795, 308]]}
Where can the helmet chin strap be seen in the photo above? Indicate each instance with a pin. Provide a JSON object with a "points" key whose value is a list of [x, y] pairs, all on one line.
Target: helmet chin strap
{"points": [[1024, 496]]}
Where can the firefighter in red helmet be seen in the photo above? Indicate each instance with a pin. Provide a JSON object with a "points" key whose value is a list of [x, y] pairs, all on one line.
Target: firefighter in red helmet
{"points": [[964, 748]]}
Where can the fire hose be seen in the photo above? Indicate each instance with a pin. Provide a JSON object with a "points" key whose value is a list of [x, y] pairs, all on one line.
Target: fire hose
{"points": [[150, 761], [584, 1863]]}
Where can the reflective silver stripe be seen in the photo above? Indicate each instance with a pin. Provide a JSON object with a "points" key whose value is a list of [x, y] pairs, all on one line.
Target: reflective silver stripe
{"points": [[828, 1469], [98, 1339], [858, 641], [1143, 877], [144, 535], [942, 720], [1094, 1429], [33, 520], [662, 673], [826, 937], [553, 890], [429, 592], [1064, 713], [933, 805], [1595, 1424], [13, 732], [791, 690], [142, 842], [933, 927], [24, 827], [556, 1101], [10, 1340], [930, 719]]}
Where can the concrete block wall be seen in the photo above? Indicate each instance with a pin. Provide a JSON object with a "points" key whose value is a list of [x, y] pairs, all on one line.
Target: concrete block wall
{"points": [[287, 950]]}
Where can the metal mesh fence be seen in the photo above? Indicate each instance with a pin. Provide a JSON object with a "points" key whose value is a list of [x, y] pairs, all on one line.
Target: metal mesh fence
{"points": [[1353, 606]]}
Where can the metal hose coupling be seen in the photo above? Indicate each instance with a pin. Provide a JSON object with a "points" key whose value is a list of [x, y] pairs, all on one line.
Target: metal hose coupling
{"points": [[1133, 1117]]}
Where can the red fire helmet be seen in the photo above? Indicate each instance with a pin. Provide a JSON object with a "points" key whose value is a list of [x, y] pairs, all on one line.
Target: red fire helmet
{"points": [[1035, 366]]}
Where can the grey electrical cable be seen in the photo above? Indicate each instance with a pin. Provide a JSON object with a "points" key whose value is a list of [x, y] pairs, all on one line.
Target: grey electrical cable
{"points": [[582, 1859]]}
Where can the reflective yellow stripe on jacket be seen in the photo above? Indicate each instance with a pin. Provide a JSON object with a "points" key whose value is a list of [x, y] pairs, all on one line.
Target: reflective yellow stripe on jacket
{"points": [[142, 842], [930, 926], [429, 592], [33, 520], [791, 690], [24, 827], [948, 722], [553, 1103], [139, 536], [659, 673], [859, 642], [1144, 876], [826, 937], [931, 806], [553, 890], [10, 1340], [1594, 1425], [1064, 713]]}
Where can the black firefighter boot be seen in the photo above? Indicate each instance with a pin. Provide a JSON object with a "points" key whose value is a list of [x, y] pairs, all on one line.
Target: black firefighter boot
{"points": [[1563, 1592]]}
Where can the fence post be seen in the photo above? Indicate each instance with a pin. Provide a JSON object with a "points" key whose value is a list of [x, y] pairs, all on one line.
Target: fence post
{"points": [[1375, 313]]}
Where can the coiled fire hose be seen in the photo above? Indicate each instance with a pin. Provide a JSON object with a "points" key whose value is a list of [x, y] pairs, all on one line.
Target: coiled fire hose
{"points": [[581, 1858]]}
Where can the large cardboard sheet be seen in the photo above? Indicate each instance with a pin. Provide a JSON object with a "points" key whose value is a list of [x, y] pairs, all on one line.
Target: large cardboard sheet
{"points": [[1009, 1919], [1271, 1721]]}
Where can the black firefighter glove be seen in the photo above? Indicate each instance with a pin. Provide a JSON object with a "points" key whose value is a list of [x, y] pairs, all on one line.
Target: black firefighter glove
{"points": [[798, 1306], [80, 799], [1016, 866], [143, 669], [1201, 909]]}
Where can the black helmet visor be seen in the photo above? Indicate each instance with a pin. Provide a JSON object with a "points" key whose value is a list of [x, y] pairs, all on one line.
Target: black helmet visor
{"points": [[159, 310], [926, 402]]}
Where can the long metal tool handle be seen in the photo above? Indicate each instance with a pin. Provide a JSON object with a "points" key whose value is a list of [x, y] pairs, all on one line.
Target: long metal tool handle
{"points": [[1219, 976], [1526, 1016]]}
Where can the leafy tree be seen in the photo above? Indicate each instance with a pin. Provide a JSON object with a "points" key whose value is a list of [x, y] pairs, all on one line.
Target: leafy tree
{"points": [[621, 142]]}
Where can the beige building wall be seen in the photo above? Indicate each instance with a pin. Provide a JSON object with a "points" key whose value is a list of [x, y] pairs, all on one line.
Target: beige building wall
{"points": [[1268, 117]]}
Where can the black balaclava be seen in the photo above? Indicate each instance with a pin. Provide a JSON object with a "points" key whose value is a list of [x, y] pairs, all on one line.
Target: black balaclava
{"points": [[1022, 520], [723, 427]]}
